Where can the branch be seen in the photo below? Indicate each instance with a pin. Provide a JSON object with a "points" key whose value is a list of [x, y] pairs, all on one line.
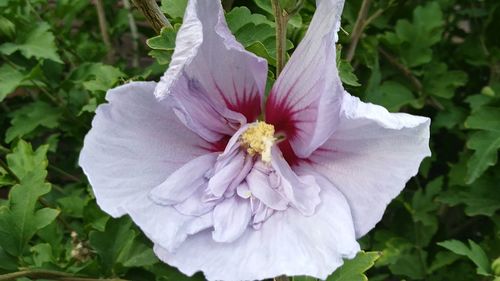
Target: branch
{"points": [[358, 29], [403, 69], [103, 26], [49, 274], [135, 34], [281, 18], [153, 14], [409, 75]]}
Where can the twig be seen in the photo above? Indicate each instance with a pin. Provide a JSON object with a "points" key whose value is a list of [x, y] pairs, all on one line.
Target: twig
{"points": [[281, 18], [358, 29], [153, 14], [135, 34], [103, 26], [64, 173], [412, 78], [373, 17], [403, 69], [46, 274]]}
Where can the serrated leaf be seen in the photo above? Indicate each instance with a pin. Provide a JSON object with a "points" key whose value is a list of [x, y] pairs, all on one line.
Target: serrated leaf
{"points": [[413, 39], [174, 8], [480, 198], [346, 72], [39, 42], [21, 219], [139, 255], [353, 270], [485, 143], [474, 252], [441, 82], [240, 16], [484, 118], [29, 117], [103, 78], [114, 244], [24, 160], [163, 45]]}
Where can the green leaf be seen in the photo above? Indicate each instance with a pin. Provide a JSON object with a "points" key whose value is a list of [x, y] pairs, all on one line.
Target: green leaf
{"points": [[139, 255], [392, 95], [38, 42], [174, 8], [118, 246], [7, 262], [484, 143], [103, 77], [346, 72], [163, 45], [240, 16], [42, 254], [21, 219], [413, 40], [411, 264], [295, 21], [474, 252], [7, 27], [10, 79], [304, 278], [114, 242], [441, 82], [24, 160], [29, 117], [484, 118], [480, 198], [353, 270]]}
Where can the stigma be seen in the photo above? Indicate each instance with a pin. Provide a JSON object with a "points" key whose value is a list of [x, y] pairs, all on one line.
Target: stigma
{"points": [[258, 140]]}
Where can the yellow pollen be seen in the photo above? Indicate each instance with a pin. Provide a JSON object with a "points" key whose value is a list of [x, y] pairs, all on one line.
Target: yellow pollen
{"points": [[258, 139]]}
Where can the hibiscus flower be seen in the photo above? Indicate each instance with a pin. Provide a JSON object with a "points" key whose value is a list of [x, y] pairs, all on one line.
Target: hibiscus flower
{"points": [[241, 187]]}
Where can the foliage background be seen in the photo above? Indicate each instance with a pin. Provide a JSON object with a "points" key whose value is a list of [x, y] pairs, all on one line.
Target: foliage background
{"points": [[437, 58]]}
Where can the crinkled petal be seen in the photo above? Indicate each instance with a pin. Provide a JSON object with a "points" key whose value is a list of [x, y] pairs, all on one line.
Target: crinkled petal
{"points": [[303, 192], [259, 184], [287, 243], [135, 143], [184, 182], [305, 101], [231, 218], [370, 157], [197, 204], [217, 84], [221, 180]]}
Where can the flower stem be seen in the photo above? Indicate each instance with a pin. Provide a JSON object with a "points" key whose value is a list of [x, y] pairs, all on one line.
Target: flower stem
{"points": [[281, 18], [153, 14]]}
